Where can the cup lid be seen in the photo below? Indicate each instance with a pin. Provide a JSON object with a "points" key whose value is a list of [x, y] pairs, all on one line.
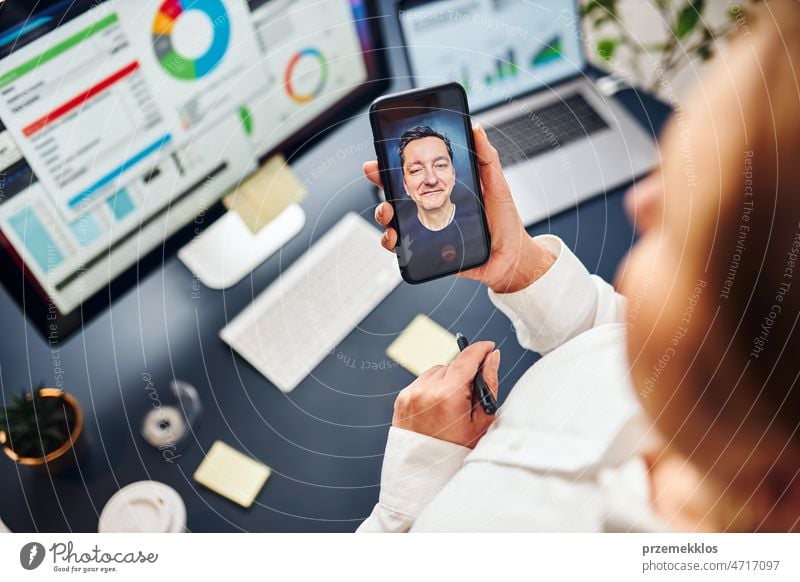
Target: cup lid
{"points": [[144, 507]]}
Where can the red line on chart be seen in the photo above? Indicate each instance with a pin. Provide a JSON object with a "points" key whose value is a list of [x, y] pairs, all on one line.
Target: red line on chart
{"points": [[62, 110]]}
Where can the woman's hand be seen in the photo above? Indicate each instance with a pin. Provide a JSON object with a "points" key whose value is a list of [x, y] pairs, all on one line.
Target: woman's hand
{"points": [[439, 402], [516, 260]]}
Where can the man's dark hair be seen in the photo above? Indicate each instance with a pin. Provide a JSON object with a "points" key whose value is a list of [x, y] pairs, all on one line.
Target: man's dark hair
{"points": [[418, 133]]}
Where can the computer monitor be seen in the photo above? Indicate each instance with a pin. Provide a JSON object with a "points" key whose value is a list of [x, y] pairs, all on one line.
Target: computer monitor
{"points": [[123, 121]]}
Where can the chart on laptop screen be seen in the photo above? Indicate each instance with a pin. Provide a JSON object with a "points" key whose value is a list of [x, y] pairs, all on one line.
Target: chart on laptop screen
{"points": [[495, 49]]}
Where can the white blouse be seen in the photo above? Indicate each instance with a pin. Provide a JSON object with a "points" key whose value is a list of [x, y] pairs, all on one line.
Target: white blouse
{"points": [[564, 451]]}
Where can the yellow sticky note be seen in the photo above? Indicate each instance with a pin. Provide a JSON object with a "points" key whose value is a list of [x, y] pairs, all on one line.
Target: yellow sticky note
{"points": [[266, 193], [232, 474], [424, 343]]}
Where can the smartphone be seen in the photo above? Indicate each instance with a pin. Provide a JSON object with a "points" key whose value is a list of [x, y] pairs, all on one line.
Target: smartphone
{"points": [[426, 154]]}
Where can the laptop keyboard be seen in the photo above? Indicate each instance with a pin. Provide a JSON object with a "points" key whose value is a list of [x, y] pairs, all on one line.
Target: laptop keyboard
{"points": [[544, 129]]}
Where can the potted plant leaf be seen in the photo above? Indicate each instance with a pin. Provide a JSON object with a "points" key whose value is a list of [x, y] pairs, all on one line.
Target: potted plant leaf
{"points": [[43, 428], [668, 35]]}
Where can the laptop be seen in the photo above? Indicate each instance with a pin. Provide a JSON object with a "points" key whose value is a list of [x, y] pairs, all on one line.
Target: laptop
{"points": [[522, 64]]}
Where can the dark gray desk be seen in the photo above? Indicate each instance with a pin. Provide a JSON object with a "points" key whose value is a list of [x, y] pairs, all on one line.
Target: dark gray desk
{"points": [[325, 440]]}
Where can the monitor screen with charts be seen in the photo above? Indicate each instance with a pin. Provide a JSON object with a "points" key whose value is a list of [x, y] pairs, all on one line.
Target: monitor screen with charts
{"points": [[122, 121], [496, 49]]}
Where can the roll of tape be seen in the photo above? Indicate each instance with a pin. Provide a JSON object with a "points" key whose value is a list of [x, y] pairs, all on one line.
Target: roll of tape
{"points": [[165, 425]]}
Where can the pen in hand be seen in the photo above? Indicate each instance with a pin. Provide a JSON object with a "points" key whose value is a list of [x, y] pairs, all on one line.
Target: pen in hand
{"points": [[480, 390]]}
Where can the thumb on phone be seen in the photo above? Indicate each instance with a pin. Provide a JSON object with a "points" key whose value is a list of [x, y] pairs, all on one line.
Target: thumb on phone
{"points": [[495, 187], [373, 173]]}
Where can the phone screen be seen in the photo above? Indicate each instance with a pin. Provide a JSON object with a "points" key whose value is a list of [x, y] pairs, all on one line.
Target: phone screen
{"points": [[426, 150]]}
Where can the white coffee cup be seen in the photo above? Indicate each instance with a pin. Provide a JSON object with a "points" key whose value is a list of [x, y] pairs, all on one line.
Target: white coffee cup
{"points": [[144, 507]]}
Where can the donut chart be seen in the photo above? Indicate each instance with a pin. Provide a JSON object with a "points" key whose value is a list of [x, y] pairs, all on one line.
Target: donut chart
{"points": [[305, 57], [170, 59]]}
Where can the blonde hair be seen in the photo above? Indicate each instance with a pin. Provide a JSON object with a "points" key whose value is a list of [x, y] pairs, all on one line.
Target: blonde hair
{"points": [[753, 258]]}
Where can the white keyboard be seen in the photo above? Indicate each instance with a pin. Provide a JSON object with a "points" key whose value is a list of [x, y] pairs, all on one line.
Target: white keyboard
{"points": [[299, 319]]}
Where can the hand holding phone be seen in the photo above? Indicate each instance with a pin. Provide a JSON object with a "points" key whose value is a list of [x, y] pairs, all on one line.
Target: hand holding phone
{"points": [[516, 260], [426, 153]]}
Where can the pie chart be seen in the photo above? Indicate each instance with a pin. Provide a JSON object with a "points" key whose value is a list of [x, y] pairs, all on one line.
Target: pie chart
{"points": [[305, 75], [177, 64]]}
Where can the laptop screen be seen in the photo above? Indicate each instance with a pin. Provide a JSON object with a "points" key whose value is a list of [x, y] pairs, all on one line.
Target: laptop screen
{"points": [[497, 49]]}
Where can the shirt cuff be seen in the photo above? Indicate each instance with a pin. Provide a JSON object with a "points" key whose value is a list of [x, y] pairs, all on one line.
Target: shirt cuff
{"points": [[415, 468], [556, 307]]}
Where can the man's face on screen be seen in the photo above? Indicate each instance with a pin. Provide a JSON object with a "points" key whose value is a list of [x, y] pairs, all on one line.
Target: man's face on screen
{"points": [[428, 173]]}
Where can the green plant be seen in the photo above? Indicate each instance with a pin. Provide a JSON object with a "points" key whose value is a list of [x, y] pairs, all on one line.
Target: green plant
{"points": [[687, 31], [36, 425]]}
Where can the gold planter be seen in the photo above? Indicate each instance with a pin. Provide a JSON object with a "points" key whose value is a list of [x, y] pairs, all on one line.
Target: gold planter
{"points": [[65, 456]]}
